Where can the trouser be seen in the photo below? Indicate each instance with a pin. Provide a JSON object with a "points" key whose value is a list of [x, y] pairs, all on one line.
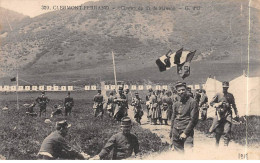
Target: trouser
{"points": [[224, 128], [68, 110], [42, 110], [179, 143], [165, 121], [98, 112]]}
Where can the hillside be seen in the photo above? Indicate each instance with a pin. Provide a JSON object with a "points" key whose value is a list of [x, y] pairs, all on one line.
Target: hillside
{"points": [[75, 42], [12, 17]]}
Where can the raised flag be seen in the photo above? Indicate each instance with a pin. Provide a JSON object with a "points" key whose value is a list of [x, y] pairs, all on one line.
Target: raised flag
{"points": [[183, 69], [180, 58]]}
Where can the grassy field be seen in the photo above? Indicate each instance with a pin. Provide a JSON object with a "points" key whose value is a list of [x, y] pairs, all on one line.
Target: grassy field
{"points": [[21, 135]]}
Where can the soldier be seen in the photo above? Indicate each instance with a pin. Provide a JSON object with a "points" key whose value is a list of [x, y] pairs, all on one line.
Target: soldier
{"points": [[203, 105], [197, 95], [189, 92], [121, 105], [174, 97], [167, 101], [127, 98], [123, 143], [223, 102], [148, 103], [42, 102], [164, 112], [138, 111], [55, 147], [98, 104], [58, 110], [155, 109], [110, 104], [184, 119], [30, 109], [68, 104]]}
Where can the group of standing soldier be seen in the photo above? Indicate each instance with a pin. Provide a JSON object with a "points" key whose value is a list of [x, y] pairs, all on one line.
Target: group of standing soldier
{"points": [[42, 102], [117, 105]]}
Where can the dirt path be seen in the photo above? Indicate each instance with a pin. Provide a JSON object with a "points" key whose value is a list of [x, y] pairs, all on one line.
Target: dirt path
{"points": [[204, 147]]}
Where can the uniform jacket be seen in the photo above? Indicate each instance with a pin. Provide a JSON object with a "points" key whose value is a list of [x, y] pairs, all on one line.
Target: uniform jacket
{"points": [[69, 102], [56, 145], [42, 101], [227, 98], [185, 115], [123, 145]]}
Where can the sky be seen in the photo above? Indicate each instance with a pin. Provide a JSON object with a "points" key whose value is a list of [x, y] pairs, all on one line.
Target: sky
{"points": [[32, 8]]}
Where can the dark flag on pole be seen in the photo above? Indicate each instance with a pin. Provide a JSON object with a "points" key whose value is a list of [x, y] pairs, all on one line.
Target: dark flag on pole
{"points": [[180, 58], [13, 79]]}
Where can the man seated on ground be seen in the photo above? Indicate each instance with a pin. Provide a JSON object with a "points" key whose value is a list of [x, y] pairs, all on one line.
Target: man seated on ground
{"points": [[123, 143], [30, 109], [55, 147], [58, 110]]}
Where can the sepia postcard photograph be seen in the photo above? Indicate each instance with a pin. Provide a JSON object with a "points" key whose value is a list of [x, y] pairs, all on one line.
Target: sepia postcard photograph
{"points": [[129, 80]]}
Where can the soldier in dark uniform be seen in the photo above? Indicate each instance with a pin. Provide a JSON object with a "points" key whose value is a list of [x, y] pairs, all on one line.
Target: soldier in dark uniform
{"points": [[42, 102], [55, 146], [184, 119], [110, 104], [138, 111], [123, 144], [223, 102], [68, 104], [121, 105], [98, 104]]}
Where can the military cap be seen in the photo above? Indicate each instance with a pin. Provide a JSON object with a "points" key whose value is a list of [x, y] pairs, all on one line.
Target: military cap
{"points": [[136, 93], [99, 90], [55, 106], [180, 84], [111, 93], [68, 93], [225, 84], [62, 124], [150, 89], [126, 121], [189, 88], [121, 88], [200, 91], [43, 92]]}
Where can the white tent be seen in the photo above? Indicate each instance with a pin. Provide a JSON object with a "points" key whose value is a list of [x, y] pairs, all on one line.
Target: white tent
{"points": [[246, 91], [212, 86]]}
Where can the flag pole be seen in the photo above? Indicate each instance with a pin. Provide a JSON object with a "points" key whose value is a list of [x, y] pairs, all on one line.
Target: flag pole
{"points": [[17, 86], [114, 67], [17, 99]]}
